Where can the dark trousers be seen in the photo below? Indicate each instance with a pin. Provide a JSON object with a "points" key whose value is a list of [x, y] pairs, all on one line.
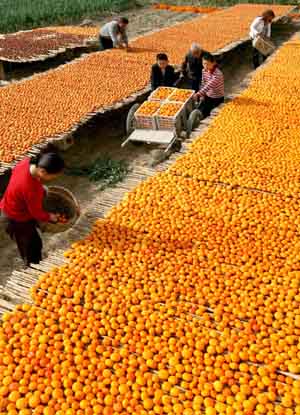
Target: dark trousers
{"points": [[105, 43], [28, 240], [257, 58], [208, 104], [195, 84]]}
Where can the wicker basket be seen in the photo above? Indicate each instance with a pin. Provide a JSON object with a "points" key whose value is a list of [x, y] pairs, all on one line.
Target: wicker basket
{"points": [[60, 200], [171, 123], [265, 47]]}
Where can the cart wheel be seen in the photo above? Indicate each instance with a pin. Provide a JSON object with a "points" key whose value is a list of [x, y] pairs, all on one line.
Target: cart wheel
{"points": [[177, 146], [130, 121], [194, 119]]}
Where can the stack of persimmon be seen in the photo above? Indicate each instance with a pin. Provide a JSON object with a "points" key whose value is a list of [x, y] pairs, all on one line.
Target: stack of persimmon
{"points": [[169, 109], [180, 95], [31, 113], [162, 93], [89, 32], [62, 218], [148, 108], [185, 298], [238, 149]]}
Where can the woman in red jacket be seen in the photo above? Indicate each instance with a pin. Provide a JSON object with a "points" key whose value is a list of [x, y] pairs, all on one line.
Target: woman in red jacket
{"points": [[23, 199]]}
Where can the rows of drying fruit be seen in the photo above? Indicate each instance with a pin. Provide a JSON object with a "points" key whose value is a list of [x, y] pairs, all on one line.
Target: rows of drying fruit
{"points": [[254, 142], [234, 21], [32, 44], [87, 31], [185, 9], [184, 300], [30, 112], [148, 317]]}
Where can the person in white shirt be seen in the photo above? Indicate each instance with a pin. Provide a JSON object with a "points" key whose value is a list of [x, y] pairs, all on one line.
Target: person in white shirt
{"points": [[261, 26], [113, 34]]}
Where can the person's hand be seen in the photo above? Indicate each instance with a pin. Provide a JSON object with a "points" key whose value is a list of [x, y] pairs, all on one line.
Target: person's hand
{"points": [[53, 217], [196, 96]]}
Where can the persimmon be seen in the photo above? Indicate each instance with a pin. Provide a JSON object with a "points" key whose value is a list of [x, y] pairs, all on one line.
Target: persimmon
{"points": [[62, 218], [30, 112], [183, 299], [148, 108], [169, 109], [162, 93], [251, 156], [180, 95], [32, 44]]}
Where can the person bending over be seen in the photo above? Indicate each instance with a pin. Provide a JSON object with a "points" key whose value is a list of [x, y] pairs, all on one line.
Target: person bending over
{"points": [[211, 92], [22, 203], [113, 34], [261, 26], [162, 74], [192, 66]]}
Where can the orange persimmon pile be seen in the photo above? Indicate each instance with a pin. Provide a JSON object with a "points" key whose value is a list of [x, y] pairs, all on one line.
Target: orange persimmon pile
{"points": [[62, 218], [180, 95], [254, 141], [184, 300], [30, 112], [169, 109], [89, 32], [162, 93], [234, 21], [148, 108], [185, 9]]}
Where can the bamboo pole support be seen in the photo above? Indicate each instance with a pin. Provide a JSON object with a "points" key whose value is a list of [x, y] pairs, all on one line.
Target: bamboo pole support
{"points": [[2, 72]]}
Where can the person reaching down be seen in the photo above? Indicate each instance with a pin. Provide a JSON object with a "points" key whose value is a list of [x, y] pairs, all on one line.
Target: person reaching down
{"points": [[211, 92], [113, 34], [22, 203]]}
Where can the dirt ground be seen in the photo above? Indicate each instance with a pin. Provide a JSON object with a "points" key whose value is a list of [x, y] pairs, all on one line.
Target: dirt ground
{"points": [[146, 19], [105, 135]]}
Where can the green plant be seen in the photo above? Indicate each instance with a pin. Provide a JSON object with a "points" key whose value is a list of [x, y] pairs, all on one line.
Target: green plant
{"points": [[104, 170], [22, 14]]}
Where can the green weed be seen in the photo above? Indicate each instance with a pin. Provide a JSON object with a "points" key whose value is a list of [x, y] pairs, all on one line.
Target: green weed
{"points": [[24, 14], [104, 170]]}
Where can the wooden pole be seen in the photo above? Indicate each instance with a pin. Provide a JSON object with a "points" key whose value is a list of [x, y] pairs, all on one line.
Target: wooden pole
{"points": [[2, 72]]}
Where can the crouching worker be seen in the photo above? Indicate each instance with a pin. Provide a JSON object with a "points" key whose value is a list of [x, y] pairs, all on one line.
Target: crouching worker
{"points": [[23, 199], [162, 74], [211, 92], [114, 35]]}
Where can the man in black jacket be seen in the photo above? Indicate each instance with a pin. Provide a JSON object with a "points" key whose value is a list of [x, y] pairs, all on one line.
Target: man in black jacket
{"points": [[192, 66], [162, 74]]}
